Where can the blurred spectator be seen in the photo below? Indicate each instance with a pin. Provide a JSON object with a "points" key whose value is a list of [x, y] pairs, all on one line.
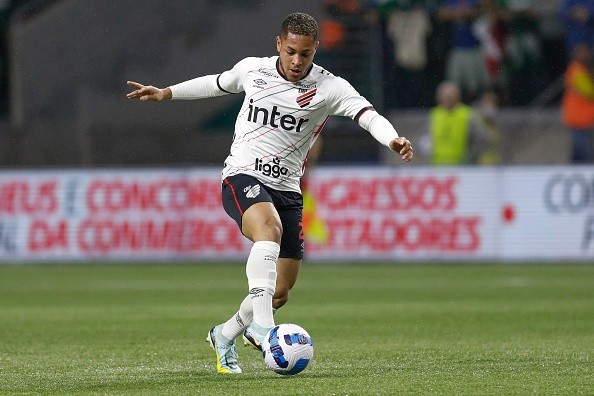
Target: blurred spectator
{"points": [[406, 26], [485, 114], [578, 16], [490, 30], [577, 107], [524, 65], [345, 40], [455, 138], [465, 64]]}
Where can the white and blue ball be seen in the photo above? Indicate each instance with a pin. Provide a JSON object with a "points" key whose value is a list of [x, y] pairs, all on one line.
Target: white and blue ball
{"points": [[287, 349]]}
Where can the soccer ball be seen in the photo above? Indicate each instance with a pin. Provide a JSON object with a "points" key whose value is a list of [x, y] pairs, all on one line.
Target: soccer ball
{"points": [[287, 349]]}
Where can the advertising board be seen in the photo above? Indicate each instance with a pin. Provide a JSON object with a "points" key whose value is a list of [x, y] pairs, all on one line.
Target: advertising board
{"points": [[361, 213]]}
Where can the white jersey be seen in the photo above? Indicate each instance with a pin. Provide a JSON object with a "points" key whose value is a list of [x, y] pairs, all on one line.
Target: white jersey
{"points": [[280, 120]]}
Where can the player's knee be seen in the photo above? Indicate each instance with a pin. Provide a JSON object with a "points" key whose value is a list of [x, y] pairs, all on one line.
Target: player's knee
{"points": [[271, 230], [277, 231], [261, 222]]}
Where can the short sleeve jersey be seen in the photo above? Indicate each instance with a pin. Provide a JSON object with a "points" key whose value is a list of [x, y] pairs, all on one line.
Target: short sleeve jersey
{"points": [[280, 120]]}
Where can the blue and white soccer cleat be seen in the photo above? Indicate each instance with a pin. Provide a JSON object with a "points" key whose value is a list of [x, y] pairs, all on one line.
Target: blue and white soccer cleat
{"points": [[249, 339], [225, 352], [253, 336]]}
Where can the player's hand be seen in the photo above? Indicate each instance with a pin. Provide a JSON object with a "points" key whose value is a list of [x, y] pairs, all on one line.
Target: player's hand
{"points": [[148, 92], [402, 146]]}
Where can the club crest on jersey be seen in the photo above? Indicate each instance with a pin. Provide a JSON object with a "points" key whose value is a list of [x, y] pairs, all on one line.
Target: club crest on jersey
{"points": [[306, 98]]}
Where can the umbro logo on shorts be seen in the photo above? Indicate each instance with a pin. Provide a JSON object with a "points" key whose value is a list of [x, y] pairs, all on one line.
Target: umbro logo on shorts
{"points": [[252, 191]]}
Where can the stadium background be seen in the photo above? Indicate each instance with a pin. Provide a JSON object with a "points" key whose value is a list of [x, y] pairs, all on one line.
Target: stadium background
{"points": [[68, 128]]}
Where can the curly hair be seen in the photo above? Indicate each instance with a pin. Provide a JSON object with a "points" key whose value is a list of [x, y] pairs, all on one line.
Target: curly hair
{"points": [[300, 24]]}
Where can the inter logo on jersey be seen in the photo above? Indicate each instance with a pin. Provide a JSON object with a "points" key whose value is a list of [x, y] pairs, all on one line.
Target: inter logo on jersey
{"points": [[306, 98]]}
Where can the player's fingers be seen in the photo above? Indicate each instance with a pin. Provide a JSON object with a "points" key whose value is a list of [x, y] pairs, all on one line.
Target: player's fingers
{"points": [[143, 92], [406, 150], [135, 94], [152, 95], [397, 144], [404, 146], [134, 84], [408, 155]]}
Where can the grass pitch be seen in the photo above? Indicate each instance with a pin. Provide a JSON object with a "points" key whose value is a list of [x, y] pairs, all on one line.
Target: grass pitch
{"points": [[377, 329]]}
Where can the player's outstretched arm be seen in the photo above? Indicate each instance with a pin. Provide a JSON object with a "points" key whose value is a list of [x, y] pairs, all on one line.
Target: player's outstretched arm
{"points": [[402, 146], [148, 92], [383, 131]]}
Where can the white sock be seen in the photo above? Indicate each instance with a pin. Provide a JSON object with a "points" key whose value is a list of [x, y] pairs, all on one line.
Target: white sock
{"points": [[238, 322], [261, 274]]}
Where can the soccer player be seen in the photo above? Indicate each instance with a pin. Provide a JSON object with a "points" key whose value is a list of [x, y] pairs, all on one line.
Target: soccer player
{"points": [[287, 101]]}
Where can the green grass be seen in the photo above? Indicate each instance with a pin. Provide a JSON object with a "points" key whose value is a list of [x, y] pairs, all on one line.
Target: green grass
{"points": [[378, 330]]}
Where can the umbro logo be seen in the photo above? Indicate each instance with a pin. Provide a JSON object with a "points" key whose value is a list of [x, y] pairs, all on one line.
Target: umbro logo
{"points": [[257, 292], [260, 81], [252, 191]]}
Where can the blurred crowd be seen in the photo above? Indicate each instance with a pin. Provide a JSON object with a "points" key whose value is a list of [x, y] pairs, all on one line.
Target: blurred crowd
{"points": [[478, 44], [465, 58], [481, 45]]}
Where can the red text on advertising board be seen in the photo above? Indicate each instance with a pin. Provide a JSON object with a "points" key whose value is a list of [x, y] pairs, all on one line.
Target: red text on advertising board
{"points": [[25, 196], [401, 193], [158, 195], [47, 235], [153, 235], [453, 234]]}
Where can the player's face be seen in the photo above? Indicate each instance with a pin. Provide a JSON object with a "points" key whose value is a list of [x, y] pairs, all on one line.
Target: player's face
{"points": [[296, 55]]}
